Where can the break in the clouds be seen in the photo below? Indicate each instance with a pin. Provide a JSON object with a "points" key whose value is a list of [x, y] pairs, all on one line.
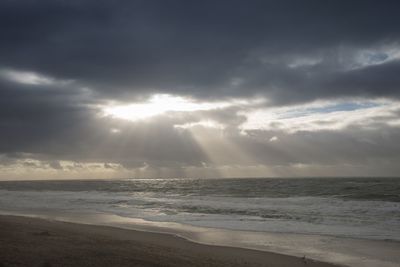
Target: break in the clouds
{"points": [[199, 88]]}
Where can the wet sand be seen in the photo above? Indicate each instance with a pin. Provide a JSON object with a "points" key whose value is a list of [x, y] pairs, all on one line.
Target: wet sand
{"points": [[37, 242]]}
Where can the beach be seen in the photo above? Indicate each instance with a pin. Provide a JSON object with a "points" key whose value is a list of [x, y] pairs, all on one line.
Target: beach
{"points": [[38, 242], [353, 223]]}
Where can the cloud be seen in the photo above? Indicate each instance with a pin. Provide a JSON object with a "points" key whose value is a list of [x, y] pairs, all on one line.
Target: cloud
{"points": [[274, 139], [55, 165], [214, 142], [288, 52], [226, 88], [321, 116], [31, 78], [160, 104]]}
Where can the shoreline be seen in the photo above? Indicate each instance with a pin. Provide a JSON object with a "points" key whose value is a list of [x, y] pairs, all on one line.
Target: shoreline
{"points": [[327, 249], [27, 241], [339, 251], [179, 229]]}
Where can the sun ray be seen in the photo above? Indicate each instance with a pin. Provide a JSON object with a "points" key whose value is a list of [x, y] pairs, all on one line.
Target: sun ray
{"points": [[220, 151]]}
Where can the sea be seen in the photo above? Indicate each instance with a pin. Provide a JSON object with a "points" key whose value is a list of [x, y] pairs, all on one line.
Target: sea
{"points": [[347, 207]]}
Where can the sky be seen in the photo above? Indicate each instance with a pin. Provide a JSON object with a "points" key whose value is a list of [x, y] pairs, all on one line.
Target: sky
{"points": [[201, 89]]}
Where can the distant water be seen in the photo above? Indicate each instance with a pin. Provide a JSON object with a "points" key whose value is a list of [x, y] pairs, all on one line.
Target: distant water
{"points": [[346, 207]]}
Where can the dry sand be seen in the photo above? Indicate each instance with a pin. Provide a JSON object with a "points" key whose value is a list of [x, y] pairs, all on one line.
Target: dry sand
{"points": [[38, 242]]}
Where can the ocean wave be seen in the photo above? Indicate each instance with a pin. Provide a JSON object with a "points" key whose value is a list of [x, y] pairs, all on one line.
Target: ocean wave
{"points": [[369, 215]]}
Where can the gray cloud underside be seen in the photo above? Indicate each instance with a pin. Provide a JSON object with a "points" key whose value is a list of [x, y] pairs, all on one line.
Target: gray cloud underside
{"points": [[126, 50], [129, 48]]}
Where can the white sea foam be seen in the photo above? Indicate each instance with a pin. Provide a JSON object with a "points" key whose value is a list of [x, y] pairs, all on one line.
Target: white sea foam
{"points": [[306, 215], [346, 221]]}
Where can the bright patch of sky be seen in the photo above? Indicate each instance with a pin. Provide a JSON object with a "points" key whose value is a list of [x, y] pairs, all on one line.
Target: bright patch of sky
{"points": [[157, 105], [203, 123], [163, 103], [323, 116], [38, 169], [329, 108]]}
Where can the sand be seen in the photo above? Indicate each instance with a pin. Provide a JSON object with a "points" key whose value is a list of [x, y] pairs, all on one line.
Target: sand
{"points": [[37, 242]]}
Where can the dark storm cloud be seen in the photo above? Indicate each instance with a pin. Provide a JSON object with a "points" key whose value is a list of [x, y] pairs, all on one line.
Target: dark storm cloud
{"points": [[287, 51], [31, 115], [131, 48]]}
